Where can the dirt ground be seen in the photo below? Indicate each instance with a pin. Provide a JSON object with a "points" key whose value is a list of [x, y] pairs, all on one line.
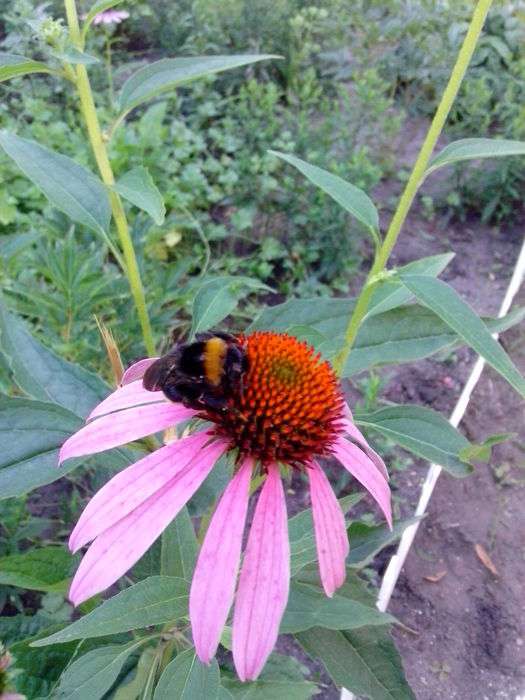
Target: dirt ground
{"points": [[469, 639]]}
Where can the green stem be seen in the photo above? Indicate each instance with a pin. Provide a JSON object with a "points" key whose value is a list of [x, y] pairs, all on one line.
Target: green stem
{"points": [[416, 178], [101, 156]]}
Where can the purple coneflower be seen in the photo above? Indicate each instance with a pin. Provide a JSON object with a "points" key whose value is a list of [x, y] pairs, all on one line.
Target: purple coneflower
{"points": [[290, 411], [110, 17]]}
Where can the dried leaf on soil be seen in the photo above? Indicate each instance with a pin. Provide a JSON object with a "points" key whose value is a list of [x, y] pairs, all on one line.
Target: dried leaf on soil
{"points": [[485, 559], [435, 578]]}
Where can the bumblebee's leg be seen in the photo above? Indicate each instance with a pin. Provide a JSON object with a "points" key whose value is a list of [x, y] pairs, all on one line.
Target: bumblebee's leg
{"points": [[216, 403]]}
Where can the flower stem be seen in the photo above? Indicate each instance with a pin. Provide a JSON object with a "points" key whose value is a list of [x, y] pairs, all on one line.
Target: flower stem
{"points": [[101, 156], [416, 178]]}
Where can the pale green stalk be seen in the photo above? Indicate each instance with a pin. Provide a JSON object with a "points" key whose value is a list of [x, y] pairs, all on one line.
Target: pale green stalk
{"points": [[101, 156], [416, 178]]}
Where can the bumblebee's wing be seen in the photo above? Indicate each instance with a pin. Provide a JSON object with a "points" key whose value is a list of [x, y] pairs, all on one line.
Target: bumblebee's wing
{"points": [[156, 375]]}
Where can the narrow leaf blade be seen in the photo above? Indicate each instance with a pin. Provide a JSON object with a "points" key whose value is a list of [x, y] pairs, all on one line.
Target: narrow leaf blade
{"points": [[169, 73], [449, 306], [186, 678], [153, 601], [137, 187], [422, 431], [473, 149], [348, 196], [13, 66], [68, 186]]}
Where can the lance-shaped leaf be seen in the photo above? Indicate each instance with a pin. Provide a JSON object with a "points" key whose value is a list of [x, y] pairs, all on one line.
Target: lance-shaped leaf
{"points": [[153, 601], [31, 460], [422, 431], [186, 678], [330, 316], [406, 334], [13, 66], [137, 187], [68, 186], [46, 376], [444, 301], [364, 661], [309, 607], [218, 297], [348, 196], [473, 149], [92, 674], [169, 73]]}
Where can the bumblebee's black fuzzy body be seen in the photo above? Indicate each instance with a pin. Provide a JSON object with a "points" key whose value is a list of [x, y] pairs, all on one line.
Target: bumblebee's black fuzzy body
{"points": [[201, 375]]}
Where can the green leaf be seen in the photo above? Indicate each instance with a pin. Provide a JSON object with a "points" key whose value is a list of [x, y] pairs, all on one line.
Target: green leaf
{"points": [[179, 547], [153, 601], [12, 66], [96, 9], [389, 294], [68, 186], [449, 306], [482, 452], [330, 316], [41, 428], [92, 675], [422, 431], [131, 687], [367, 540], [217, 298], [43, 569], [137, 187], [365, 661], [406, 334], [472, 149], [283, 677], [186, 678], [75, 56], [46, 376], [301, 535], [351, 198], [169, 73], [32, 433], [308, 606]]}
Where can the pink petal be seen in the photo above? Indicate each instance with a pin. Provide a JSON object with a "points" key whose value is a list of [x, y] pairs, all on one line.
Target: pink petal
{"points": [[213, 584], [132, 394], [137, 370], [359, 438], [116, 550], [132, 486], [125, 426], [330, 530], [366, 472], [264, 582]]}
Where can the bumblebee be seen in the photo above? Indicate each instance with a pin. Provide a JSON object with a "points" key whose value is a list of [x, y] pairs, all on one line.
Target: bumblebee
{"points": [[201, 375]]}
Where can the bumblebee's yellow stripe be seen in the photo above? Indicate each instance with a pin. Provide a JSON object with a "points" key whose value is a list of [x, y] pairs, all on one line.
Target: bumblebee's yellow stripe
{"points": [[214, 354]]}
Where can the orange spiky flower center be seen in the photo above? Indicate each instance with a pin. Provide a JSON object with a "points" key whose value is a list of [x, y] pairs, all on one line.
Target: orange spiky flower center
{"points": [[288, 406]]}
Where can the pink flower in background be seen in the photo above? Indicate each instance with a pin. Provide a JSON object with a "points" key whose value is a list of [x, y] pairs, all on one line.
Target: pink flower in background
{"points": [[111, 17], [5, 662], [289, 411]]}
